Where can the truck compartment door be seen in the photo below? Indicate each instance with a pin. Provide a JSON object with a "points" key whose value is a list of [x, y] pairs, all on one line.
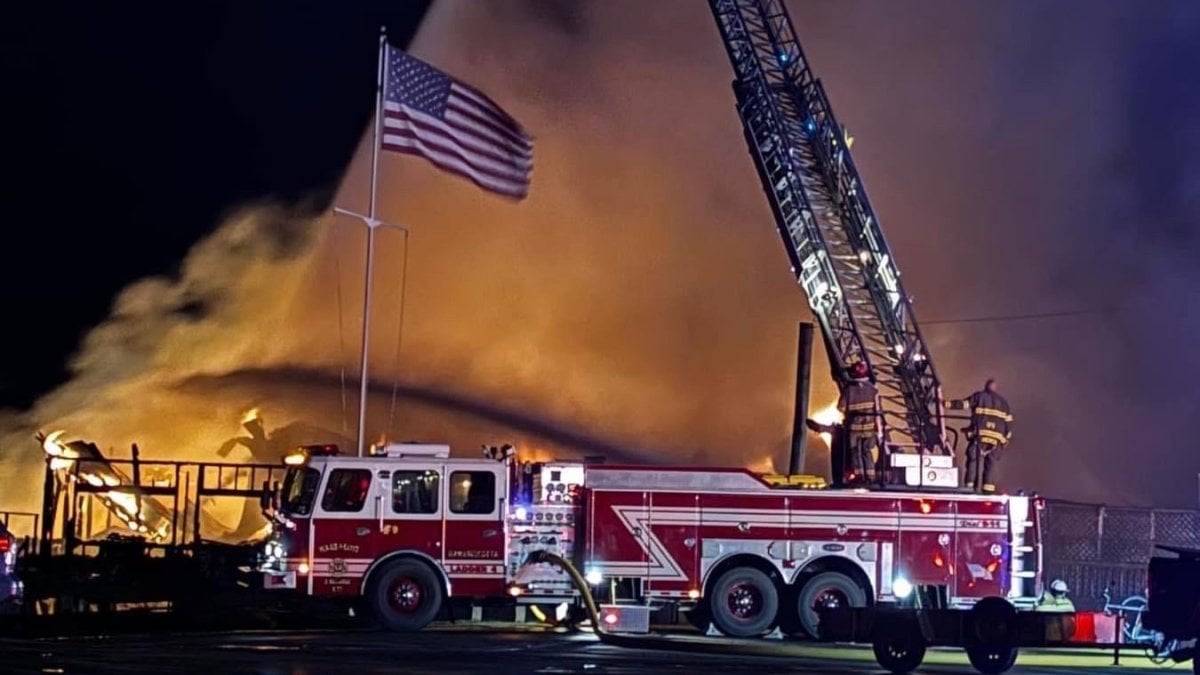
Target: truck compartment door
{"points": [[672, 545]]}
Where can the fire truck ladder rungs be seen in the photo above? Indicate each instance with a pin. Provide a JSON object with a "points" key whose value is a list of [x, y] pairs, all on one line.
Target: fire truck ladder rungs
{"points": [[831, 233]]}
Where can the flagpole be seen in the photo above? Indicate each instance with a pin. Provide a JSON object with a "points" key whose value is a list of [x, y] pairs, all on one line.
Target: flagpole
{"points": [[382, 72], [372, 224]]}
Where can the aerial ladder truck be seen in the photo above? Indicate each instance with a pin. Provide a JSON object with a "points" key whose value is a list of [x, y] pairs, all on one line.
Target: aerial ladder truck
{"points": [[832, 234], [842, 261]]}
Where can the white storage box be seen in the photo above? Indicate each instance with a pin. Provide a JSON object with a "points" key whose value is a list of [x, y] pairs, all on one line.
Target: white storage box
{"points": [[926, 470]]}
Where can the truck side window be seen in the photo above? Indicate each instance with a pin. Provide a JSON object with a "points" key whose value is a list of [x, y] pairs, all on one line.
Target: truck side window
{"points": [[415, 491], [346, 491], [472, 492]]}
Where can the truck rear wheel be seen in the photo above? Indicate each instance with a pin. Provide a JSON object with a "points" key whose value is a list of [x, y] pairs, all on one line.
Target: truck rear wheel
{"points": [[405, 595], [743, 602], [899, 647], [992, 660], [993, 621], [826, 590]]}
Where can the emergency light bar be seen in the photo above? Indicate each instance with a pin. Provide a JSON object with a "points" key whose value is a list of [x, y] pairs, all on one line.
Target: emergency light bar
{"points": [[301, 455]]}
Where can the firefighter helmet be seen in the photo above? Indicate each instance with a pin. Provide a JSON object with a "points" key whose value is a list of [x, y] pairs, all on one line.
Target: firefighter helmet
{"points": [[1058, 587], [859, 370]]}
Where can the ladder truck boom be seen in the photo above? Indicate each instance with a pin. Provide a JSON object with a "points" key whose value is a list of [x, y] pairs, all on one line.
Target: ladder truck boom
{"points": [[832, 235]]}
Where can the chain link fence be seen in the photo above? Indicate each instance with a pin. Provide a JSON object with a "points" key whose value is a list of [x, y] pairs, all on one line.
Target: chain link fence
{"points": [[1093, 547]]}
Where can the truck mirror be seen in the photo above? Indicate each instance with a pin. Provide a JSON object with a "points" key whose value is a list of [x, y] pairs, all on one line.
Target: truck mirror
{"points": [[264, 498]]}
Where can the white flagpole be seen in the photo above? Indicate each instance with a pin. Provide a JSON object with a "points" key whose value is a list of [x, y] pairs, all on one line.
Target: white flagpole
{"points": [[372, 223], [382, 73]]}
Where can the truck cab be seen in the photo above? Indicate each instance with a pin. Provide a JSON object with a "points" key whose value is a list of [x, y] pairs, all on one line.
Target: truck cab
{"points": [[402, 529]]}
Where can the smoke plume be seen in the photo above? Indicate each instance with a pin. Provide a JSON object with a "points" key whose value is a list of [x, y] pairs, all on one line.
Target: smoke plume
{"points": [[638, 304]]}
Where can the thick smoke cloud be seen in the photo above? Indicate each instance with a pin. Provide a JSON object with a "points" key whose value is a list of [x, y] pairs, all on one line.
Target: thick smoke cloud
{"points": [[1024, 158]]}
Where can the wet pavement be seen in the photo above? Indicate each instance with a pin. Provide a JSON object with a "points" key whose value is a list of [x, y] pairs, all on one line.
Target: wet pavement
{"points": [[473, 648]]}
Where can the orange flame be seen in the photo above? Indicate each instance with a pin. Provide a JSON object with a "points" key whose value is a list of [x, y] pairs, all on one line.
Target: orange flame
{"points": [[763, 465], [827, 415]]}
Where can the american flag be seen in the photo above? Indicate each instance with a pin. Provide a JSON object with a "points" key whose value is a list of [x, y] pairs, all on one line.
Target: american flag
{"points": [[457, 127]]}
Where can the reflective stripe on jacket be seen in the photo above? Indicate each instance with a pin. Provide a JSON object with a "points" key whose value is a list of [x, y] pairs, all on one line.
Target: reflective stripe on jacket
{"points": [[991, 418]]}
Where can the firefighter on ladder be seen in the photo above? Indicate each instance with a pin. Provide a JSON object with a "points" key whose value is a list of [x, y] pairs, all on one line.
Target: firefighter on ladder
{"points": [[859, 405], [989, 432]]}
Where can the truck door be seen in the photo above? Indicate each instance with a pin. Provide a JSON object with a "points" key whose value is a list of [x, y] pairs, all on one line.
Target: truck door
{"points": [[476, 499], [343, 531], [410, 510]]}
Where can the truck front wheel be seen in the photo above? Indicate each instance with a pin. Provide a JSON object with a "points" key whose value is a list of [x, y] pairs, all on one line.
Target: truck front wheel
{"points": [[992, 660], [743, 602], [404, 596]]}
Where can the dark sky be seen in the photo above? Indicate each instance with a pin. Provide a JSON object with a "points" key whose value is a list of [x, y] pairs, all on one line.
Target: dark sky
{"points": [[1024, 157], [131, 128]]}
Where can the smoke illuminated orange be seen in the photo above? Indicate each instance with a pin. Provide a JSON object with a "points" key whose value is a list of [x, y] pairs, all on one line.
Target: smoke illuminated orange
{"points": [[528, 452]]}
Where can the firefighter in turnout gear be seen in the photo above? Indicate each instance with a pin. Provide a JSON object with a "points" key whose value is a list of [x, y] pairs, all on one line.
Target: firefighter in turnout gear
{"points": [[989, 432], [859, 405]]}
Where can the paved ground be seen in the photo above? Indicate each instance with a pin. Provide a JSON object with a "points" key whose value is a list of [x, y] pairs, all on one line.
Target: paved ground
{"points": [[467, 648]]}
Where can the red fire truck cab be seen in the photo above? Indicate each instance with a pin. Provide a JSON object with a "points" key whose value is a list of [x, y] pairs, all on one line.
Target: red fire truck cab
{"points": [[409, 528]]}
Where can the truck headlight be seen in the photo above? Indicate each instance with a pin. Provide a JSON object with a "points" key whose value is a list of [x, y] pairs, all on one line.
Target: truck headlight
{"points": [[902, 588]]}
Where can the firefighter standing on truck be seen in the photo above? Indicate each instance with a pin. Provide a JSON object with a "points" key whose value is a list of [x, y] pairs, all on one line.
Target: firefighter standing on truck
{"points": [[859, 405], [990, 431]]}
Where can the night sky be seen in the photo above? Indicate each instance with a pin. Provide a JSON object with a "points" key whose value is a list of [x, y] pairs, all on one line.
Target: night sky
{"points": [[166, 272], [136, 126]]}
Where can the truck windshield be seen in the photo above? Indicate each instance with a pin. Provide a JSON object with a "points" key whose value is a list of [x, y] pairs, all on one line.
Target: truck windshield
{"points": [[299, 488]]}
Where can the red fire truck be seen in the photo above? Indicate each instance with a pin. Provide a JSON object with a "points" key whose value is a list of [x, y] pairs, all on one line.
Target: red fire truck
{"points": [[408, 529]]}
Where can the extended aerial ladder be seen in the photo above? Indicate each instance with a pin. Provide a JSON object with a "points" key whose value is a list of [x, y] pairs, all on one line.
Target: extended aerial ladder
{"points": [[831, 233]]}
